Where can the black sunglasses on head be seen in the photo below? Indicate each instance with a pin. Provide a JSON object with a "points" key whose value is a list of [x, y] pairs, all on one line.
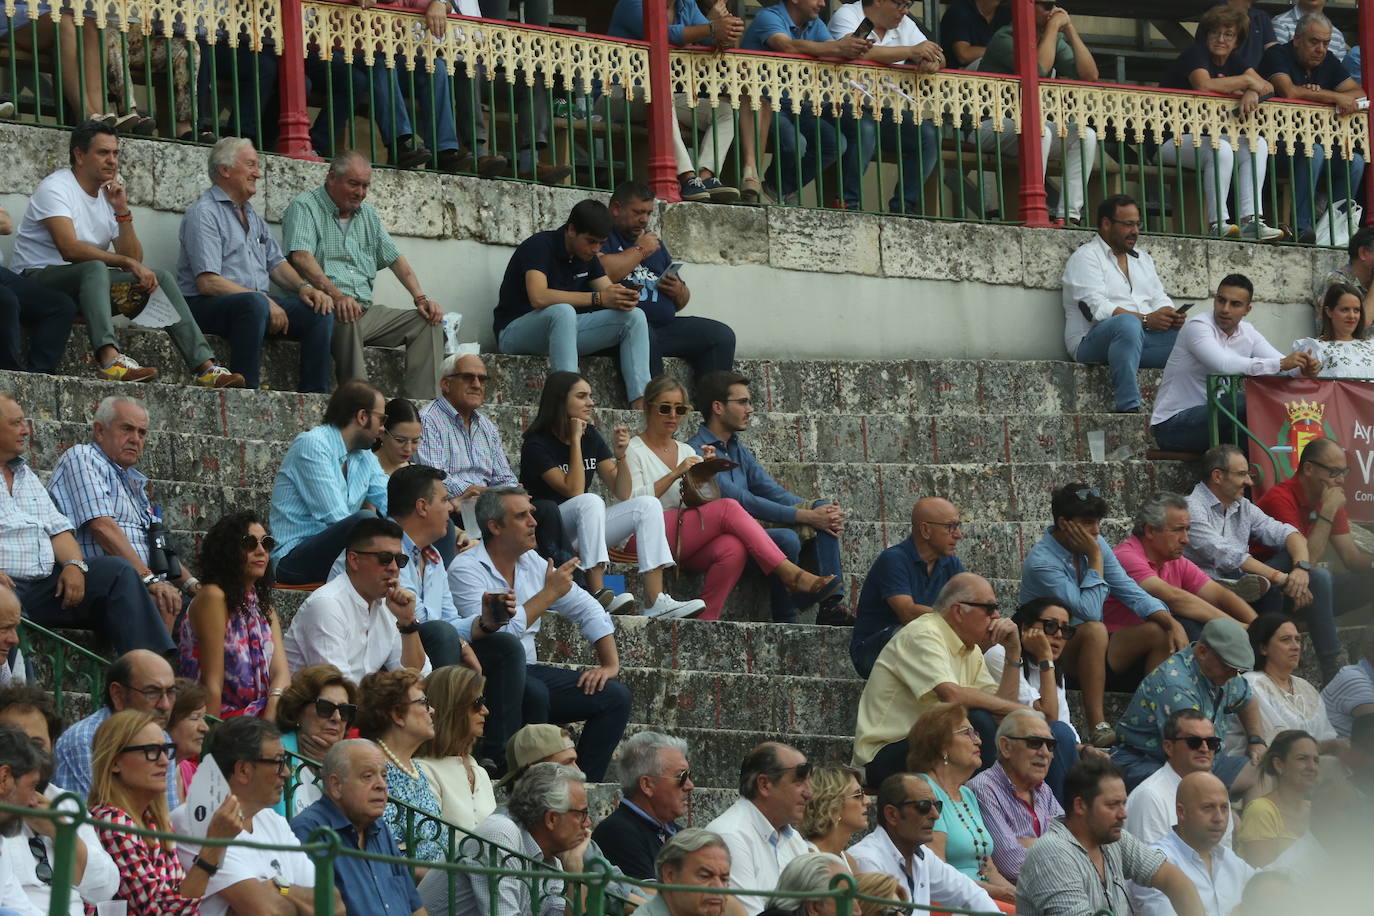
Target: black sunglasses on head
{"points": [[325, 709], [1195, 742]]}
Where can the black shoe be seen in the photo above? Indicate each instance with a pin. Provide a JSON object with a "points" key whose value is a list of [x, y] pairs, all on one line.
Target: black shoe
{"points": [[833, 613], [455, 160], [410, 153]]}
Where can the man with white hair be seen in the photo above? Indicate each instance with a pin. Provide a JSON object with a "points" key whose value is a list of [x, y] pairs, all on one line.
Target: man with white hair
{"points": [[656, 783], [228, 256], [696, 858], [98, 488], [808, 873], [546, 820], [1017, 802]]}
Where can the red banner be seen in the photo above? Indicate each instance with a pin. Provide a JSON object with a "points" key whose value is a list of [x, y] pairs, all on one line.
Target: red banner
{"points": [[1287, 413]]}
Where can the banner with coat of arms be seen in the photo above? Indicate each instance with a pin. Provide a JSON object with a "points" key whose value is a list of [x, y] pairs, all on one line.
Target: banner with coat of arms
{"points": [[1286, 413]]}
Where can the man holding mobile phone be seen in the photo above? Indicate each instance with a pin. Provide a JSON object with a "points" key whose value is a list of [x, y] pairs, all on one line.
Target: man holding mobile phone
{"points": [[637, 259]]}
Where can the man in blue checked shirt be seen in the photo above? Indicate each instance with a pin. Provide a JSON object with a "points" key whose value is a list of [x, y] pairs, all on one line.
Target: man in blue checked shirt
{"points": [[1074, 565], [789, 519], [328, 481]]}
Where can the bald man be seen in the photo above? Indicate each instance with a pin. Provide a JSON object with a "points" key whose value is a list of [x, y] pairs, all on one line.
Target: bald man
{"points": [[906, 578], [9, 636], [1194, 845]]}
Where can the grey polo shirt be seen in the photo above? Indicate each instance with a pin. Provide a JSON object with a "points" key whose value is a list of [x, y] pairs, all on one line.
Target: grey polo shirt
{"points": [[214, 240]]}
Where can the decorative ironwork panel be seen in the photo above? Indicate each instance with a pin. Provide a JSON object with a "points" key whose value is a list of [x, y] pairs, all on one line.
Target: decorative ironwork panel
{"points": [[254, 23]]}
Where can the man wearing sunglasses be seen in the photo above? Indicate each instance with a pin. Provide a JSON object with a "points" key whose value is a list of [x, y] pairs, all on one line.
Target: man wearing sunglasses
{"points": [[139, 680], [655, 787], [1190, 746], [907, 812], [248, 751]]}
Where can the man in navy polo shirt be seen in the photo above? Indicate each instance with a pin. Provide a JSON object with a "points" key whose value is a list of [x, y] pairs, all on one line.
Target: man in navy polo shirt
{"points": [[637, 256], [556, 298], [1305, 68], [795, 27], [905, 579]]}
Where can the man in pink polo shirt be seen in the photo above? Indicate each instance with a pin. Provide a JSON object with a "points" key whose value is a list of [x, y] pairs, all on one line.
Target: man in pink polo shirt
{"points": [[1153, 557]]}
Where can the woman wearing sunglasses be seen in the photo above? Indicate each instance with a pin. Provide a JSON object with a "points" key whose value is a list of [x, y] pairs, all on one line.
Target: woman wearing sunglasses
{"points": [[130, 763], [562, 450], [395, 713], [1273, 822], [945, 751], [838, 809], [244, 668], [1285, 700], [460, 716], [316, 710], [1045, 631], [186, 726], [718, 537]]}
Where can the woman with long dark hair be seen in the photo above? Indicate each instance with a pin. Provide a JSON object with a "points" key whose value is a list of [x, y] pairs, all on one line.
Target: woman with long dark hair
{"points": [[561, 452], [230, 636], [400, 436]]}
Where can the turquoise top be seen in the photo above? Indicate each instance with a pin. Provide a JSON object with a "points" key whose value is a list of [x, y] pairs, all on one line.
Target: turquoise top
{"points": [[968, 844]]}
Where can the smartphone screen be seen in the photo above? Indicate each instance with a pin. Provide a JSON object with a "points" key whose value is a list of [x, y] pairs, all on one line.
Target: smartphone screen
{"points": [[865, 28]]}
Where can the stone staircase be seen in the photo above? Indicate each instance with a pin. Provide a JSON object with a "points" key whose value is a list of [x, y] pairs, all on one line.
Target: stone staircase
{"points": [[995, 436]]}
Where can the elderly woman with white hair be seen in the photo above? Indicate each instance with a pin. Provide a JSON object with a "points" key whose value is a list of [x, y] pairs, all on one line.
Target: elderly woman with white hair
{"points": [[1016, 802], [810, 873]]}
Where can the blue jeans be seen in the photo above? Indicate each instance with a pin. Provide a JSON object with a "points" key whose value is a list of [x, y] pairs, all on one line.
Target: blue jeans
{"points": [[48, 314], [866, 653], [116, 605], [785, 604], [242, 317], [920, 148], [1307, 172], [552, 695], [1191, 430], [311, 559], [432, 96], [561, 332], [505, 667], [798, 135], [353, 82], [1332, 594], [1123, 344], [258, 113]]}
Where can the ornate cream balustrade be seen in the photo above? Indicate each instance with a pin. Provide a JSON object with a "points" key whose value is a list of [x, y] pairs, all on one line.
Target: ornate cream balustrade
{"points": [[254, 23]]}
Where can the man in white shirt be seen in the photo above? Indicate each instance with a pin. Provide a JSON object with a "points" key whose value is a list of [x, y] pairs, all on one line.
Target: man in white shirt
{"points": [[503, 585], [78, 237], [775, 785], [273, 882], [1221, 343], [362, 621], [1115, 309], [21, 765], [907, 811], [1200, 847], [896, 40], [1190, 746]]}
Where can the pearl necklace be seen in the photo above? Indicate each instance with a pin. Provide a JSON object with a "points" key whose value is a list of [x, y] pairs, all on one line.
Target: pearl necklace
{"points": [[410, 770]]}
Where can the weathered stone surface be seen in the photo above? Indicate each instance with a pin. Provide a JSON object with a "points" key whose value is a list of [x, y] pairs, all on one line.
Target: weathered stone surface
{"points": [[551, 205], [284, 178], [829, 241], [30, 155], [492, 212], [715, 235], [947, 250], [1269, 267], [1044, 253], [1184, 266]]}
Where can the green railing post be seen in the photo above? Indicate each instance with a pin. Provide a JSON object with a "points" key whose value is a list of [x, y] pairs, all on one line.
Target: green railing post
{"points": [[64, 851], [324, 867]]}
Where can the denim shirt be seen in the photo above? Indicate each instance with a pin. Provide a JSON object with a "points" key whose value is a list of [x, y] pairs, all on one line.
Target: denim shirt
{"points": [[749, 484], [1049, 572]]}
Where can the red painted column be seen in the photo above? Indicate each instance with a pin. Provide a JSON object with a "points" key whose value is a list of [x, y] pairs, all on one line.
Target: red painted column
{"points": [[1033, 210], [294, 138], [1366, 26], [662, 165]]}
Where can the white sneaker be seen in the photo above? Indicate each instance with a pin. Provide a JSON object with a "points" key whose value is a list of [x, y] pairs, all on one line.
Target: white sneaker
{"points": [[1256, 229], [622, 603], [670, 608]]}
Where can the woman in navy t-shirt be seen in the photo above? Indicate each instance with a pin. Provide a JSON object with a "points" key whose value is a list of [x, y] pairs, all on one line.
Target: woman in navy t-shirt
{"points": [[562, 449]]}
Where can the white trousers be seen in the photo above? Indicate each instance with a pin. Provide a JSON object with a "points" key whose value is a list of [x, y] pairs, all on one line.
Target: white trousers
{"points": [[1217, 166], [1077, 157], [596, 526]]}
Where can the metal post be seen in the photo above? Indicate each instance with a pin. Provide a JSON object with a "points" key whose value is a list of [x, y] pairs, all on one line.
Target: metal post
{"points": [[1033, 211], [64, 850], [294, 139], [662, 166]]}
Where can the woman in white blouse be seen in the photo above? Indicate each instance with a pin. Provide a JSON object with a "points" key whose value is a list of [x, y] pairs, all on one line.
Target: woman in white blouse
{"points": [[1285, 700], [718, 537], [462, 787], [1341, 346], [1045, 630]]}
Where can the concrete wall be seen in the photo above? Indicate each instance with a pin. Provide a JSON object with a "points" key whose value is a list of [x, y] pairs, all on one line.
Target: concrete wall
{"points": [[793, 283]]}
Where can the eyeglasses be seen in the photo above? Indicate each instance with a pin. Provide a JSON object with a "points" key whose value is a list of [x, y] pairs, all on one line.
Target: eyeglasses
{"points": [[282, 764], [1129, 224], [421, 701], [679, 778], [902, 5], [1036, 742], [951, 527], [469, 377], [1055, 628], [857, 796], [404, 440], [386, 557], [1333, 472], [250, 543], [41, 869], [151, 752], [924, 805], [153, 694], [325, 709], [743, 402], [968, 730], [802, 771], [665, 409], [989, 607], [582, 814], [479, 703], [1223, 34], [1091, 492], [1195, 742]]}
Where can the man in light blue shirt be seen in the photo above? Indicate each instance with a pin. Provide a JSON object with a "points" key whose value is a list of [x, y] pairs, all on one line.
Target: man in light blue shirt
{"points": [[506, 563], [328, 481], [1075, 566], [1194, 845]]}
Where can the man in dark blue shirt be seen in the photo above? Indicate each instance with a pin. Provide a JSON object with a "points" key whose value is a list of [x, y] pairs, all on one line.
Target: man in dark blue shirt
{"points": [[967, 26], [555, 298], [636, 256], [353, 776], [725, 405], [905, 579], [1305, 68]]}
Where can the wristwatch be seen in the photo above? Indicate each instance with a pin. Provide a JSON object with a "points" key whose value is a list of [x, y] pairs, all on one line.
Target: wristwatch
{"points": [[1303, 565], [407, 629], [1046, 664], [1256, 739], [79, 564], [482, 625], [282, 884]]}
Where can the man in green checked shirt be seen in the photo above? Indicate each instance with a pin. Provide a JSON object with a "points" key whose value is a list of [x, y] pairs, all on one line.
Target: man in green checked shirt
{"points": [[337, 243]]}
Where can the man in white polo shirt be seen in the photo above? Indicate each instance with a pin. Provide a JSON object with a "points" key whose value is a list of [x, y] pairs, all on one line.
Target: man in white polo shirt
{"points": [[1190, 746]]}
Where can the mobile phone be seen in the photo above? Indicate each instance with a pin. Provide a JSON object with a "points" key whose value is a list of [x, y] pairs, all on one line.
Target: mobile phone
{"points": [[1182, 309], [672, 270], [629, 284], [865, 28], [494, 604]]}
